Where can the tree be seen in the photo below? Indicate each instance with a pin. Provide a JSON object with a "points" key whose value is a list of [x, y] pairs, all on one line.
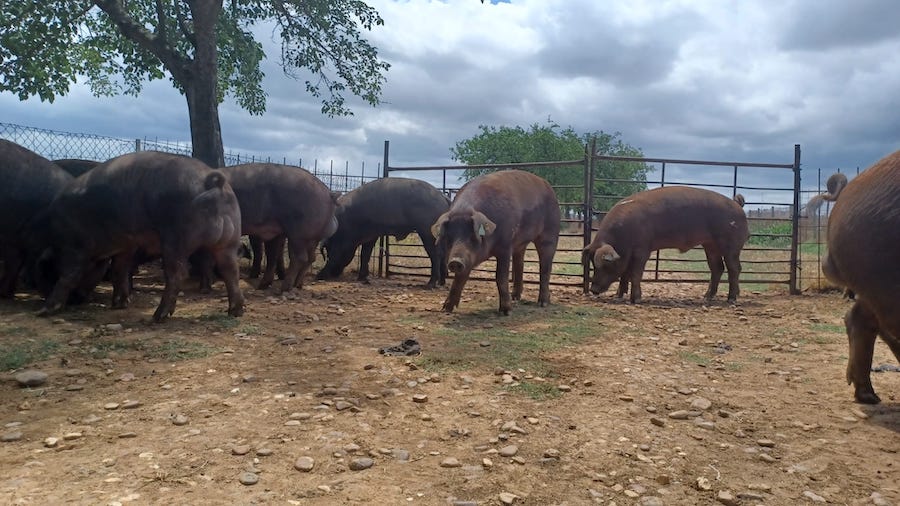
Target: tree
{"points": [[547, 143], [207, 49]]}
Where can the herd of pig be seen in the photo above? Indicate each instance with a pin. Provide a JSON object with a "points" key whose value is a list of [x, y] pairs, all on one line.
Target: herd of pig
{"points": [[69, 224]]}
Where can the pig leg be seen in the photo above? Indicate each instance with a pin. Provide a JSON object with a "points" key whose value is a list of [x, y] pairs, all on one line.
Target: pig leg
{"points": [[623, 284], [300, 260], [120, 274], [229, 269], [365, 254], [716, 268], [434, 255], [456, 288], [175, 269], [12, 264], [518, 273], [502, 277], [733, 262], [862, 329], [274, 247], [636, 269], [256, 247], [72, 267], [310, 258], [545, 250]]}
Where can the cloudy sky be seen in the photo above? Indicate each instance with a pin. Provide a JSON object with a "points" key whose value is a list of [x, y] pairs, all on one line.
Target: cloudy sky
{"points": [[733, 80]]}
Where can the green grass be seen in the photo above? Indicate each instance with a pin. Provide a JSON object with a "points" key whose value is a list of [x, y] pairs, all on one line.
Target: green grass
{"points": [[780, 228], [14, 331], [172, 350], [688, 356], [18, 355], [538, 391], [223, 320], [827, 327], [518, 341]]}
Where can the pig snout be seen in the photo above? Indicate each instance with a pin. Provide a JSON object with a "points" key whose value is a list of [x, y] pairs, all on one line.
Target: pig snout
{"points": [[456, 265], [595, 289]]}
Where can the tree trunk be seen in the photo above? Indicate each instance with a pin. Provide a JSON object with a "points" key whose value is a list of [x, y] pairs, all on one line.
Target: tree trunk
{"points": [[201, 85]]}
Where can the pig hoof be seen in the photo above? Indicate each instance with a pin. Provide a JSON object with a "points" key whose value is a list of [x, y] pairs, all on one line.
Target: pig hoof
{"points": [[447, 307], [236, 311], [867, 398]]}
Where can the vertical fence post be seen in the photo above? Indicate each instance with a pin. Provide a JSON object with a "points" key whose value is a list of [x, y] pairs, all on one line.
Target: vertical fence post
{"points": [[137, 145], [587, 218], [383, 258], [734, 183], [795, 222]]}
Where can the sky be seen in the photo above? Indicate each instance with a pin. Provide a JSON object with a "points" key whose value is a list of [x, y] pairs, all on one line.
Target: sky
{"points": [[730, 80]]}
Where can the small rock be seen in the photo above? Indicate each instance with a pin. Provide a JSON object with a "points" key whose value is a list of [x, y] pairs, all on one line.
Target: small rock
{"points": [[814, 497], [69, 436], [31, 378], [264, 452], [240, 450], [487, 463], [650, 500], [765, 457], [509, 451], [701, 404], [683, 414], [399, 454], [878, 500], [127, 435], [10, 437], [131, 404], [111, 405], [248, 479], [562, 388], [702, 484], [765, 443], [659, 422], [450, 462], [304, 464], [750, 496], [180, 420], [551, 453], [420, 398], [51, 442], [507, 498], [361, 464], [342, 405], [725, 497]]}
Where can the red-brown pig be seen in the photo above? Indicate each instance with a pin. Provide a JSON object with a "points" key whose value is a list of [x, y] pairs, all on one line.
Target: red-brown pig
{"points": [[863, 255], [157, 203], [669, 217], [28, 183], [497, 215], [281, 202]]}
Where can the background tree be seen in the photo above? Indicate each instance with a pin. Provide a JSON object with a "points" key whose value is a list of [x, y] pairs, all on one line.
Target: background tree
{"points": [[207, 49], [547, 143]]}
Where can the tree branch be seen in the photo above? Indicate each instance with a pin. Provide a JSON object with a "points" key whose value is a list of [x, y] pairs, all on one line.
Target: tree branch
{"points": [[183, 25], [174, 62]]}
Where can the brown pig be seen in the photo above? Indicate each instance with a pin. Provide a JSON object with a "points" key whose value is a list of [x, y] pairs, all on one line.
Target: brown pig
{"points": [[863, 250], [497, 215], [670, 217]]}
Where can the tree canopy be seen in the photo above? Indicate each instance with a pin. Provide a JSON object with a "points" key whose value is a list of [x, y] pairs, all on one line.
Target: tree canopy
{"points": [[208, 50], [550, 142]]}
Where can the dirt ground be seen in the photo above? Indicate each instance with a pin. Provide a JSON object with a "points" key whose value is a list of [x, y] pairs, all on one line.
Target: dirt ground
{"points": [[667, 402]]}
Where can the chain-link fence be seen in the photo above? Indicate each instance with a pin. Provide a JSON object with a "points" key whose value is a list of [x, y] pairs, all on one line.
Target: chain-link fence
{"points": [[54, 145]]}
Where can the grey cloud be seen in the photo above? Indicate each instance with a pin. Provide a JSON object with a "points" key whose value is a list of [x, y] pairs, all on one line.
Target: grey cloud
{"points": [[816, 25]]}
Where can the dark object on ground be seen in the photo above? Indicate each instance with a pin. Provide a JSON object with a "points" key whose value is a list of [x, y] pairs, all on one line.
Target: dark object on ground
{"points": [[407, 348]]}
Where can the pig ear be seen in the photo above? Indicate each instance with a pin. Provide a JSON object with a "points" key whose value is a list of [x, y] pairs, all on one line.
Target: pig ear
{"points": [[586, 255], [483, 226], [609, 254], [438, 226]]}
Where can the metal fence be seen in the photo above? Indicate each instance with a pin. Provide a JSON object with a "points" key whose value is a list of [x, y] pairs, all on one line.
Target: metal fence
{"points": [[54, 145], [771, 255]]}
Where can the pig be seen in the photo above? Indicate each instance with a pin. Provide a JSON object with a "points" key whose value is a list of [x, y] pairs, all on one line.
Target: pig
{"points": [[863, 248], [283, 202], [28, 183], [152, 202], [391, 206], [497, 215], [668, 217], [75, 166], [255, 254]]}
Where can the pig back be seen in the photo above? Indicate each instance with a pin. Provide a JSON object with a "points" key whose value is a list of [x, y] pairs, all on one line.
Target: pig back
{"points": [[521, 204], [392, 206], [675, 217], [28, 183], [863, 238]]}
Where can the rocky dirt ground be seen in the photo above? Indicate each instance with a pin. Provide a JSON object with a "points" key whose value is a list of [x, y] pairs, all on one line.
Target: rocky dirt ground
{"points": [[589, 401]]}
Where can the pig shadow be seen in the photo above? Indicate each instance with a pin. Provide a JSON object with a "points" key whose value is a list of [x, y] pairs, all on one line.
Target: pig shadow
{"points": [[886, 414]]}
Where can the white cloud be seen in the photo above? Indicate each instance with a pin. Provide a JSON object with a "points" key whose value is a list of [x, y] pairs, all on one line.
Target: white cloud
{"points": [[682, 78]]}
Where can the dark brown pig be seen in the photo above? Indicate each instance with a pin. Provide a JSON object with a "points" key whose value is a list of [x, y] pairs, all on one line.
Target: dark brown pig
{"points": [[75, 166], [669, 217], [863, 254], [28, 183], [282, 202], [497, 215], [156, 203], [391, 206]]}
